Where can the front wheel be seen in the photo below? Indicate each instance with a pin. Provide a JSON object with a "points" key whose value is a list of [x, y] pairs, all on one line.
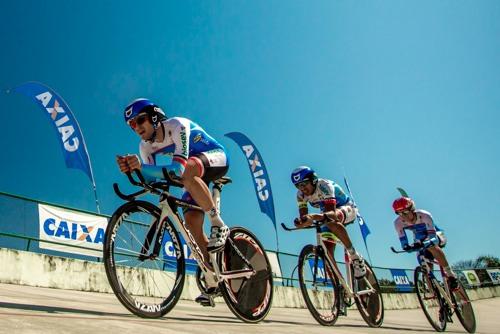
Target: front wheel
{"points": [[430, 300], [463, 308], [248, 298], [370, 304], [319, 285], [143, 259]]}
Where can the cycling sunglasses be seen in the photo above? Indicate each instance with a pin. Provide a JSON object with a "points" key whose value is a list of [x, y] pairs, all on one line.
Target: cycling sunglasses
{"points": [[302, 184], [139, 120], [403, 212]]}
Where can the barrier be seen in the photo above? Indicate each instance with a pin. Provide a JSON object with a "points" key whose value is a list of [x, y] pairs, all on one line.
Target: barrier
{"points": [[22, 229], [42, 270]]}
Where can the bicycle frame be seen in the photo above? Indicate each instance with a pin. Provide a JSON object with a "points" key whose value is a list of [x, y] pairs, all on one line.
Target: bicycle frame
{"points": [[351, 290], [427, 268], [168, 205], [427, 264]]}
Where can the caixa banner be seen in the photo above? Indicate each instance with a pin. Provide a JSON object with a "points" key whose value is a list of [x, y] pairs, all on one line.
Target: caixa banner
{"points": [[70, 228]]}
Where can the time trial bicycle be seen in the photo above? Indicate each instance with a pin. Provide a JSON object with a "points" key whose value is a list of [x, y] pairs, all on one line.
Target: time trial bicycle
{"points": [[437, 299], [145, 260]]}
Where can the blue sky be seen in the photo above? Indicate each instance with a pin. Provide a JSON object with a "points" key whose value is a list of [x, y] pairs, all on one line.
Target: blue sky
{"points": [[393, 93]]}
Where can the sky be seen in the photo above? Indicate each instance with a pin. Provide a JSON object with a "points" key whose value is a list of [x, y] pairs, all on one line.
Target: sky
{"points": [[389, 93]]}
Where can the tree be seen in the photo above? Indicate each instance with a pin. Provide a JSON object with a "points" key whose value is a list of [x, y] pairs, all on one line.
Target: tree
{"points": [[489, 261], [483, 261]]}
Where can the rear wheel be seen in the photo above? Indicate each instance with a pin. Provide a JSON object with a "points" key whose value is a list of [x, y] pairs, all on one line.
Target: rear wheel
{"points": [[143, 259], [371, 304], [248, 298], [430, 300], [319, 286], [463, 308]]}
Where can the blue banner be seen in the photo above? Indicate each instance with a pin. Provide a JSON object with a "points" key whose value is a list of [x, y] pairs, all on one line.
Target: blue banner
{"points": [[362, 224], [402, 282], [258, 172], [67, 128], [320, 274], [168, 251]]}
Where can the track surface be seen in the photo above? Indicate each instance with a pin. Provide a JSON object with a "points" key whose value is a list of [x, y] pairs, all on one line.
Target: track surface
{"points": [[26, 309]]}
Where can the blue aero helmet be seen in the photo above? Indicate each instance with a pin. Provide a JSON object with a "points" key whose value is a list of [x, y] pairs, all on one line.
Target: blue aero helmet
{"points": [[303, 173], [142, 105]]}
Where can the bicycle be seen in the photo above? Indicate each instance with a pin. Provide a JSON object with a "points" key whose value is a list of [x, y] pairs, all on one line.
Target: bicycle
{"points": [[437, 299], [327, 294], [145, 262]]}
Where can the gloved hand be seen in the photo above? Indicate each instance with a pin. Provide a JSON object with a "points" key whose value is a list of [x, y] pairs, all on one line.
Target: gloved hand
{"points": [[407, 248], [417, 245]]}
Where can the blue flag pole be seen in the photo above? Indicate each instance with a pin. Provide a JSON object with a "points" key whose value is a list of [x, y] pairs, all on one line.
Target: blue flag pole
{"points": [[365, 231]]}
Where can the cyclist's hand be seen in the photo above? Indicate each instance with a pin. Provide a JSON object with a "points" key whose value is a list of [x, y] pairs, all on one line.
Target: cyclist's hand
{"points": [[133, 162], [128, 163], [121, 160], [303, 221], [417, 245], [407, 248]]}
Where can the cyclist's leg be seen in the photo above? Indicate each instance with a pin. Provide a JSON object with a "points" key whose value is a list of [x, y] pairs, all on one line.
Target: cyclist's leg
{"points": [[330, 240], [194, 222], [200, 170], [438, 253], [348, 214]]}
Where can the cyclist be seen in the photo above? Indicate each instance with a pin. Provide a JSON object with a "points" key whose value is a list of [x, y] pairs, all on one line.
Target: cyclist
{"points": [[335, 206], [428, 238], [196, 159]]}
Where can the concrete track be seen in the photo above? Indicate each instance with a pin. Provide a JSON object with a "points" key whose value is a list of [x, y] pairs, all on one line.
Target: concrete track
{"points": [[25, 309]]}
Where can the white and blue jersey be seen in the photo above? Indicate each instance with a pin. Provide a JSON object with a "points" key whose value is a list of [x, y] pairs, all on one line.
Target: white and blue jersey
{"points": [[182, 140], [326, 192], [424, 229]]}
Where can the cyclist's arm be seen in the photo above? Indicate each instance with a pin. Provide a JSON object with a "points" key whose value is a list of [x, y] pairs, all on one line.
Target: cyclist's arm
{"points": [[149, 170], [304, 219], [180, 137], [432, 238], [403, 239]]}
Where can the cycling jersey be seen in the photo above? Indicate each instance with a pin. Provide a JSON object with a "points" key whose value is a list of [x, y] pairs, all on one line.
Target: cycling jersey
{"points": [[424, 229], [326, 191], [183, 139]]}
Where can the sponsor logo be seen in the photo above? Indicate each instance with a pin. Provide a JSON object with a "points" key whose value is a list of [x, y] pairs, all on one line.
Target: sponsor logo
{"points": [[401, 280], [128, 112], [184, 141], [60, 119], [73, 231], [148, 308], [197, 138], [258, 174]]}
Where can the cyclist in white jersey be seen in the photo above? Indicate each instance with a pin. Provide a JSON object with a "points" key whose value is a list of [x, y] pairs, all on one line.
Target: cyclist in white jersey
{"points": [[428, 238], [194, 159], [334, 205]]}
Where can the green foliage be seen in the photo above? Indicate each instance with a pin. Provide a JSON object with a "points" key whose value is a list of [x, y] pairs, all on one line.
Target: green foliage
{"points": [[483, 261]]}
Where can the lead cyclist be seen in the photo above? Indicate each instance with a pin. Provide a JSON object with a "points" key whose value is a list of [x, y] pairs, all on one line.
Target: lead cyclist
{"points": [[191, 157]]}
